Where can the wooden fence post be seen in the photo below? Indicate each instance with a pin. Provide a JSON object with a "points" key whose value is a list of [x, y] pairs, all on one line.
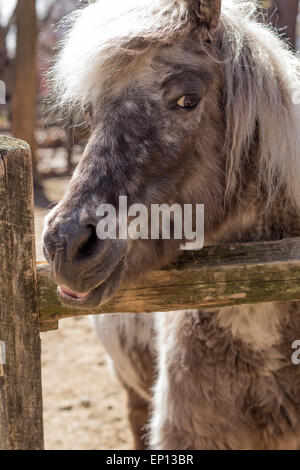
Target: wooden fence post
{"points": [[21, 420]]}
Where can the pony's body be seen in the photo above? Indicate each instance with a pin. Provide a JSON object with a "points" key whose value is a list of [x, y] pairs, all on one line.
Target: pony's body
{"points": [[222, 379], [219, 379], [225, 378]]}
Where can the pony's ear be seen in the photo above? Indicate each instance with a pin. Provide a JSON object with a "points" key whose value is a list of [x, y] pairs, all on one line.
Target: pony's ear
{"points": [[207, 14]]}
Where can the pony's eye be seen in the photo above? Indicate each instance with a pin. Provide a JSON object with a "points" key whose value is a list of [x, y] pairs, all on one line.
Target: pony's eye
{"points": [[188, 102]]}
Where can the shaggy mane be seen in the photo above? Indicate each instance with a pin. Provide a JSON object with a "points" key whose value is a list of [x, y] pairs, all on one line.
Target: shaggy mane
{"points": [[261, 76], [105, 37]]}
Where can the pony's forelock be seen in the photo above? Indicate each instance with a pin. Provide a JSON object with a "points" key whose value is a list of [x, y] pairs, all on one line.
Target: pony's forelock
{"points": [[103, 36]]}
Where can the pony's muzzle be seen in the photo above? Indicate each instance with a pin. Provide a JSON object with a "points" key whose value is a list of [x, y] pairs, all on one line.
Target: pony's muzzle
{"points": [[80, 262]]}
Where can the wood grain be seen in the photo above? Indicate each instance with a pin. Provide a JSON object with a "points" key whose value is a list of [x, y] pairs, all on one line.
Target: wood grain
{"points": [[215, 277], [21, 422]]}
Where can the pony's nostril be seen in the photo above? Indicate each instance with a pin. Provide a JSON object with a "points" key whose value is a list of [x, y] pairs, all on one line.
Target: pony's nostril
{"points": [[88, 246]]}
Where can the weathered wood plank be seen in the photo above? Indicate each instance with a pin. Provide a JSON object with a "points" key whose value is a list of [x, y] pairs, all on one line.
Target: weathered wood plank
{"points": [[231, 274], [21, 424]]}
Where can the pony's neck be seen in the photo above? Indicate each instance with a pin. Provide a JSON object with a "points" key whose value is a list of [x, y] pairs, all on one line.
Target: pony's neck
{"points": [[248, 221]]}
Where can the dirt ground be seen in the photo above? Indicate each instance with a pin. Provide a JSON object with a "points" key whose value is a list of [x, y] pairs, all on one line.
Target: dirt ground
{"points": [[84, 406]]}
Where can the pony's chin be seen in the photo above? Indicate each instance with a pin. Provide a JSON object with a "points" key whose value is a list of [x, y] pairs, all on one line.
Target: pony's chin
{"points": [[96, 297]]}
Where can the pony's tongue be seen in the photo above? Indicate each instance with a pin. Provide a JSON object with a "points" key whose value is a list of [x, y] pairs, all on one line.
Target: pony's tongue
{"points": [[73, 294]]}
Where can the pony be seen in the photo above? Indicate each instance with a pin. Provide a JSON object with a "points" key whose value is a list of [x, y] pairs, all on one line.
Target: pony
{"points": [[188, 102]]}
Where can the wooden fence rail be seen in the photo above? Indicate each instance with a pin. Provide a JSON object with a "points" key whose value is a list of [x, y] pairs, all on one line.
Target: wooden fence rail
{"points": [[214, 277]]}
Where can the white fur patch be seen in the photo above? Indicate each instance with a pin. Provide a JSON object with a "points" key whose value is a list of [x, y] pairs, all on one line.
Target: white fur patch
{"points": [[255, 325], [119, 334]]}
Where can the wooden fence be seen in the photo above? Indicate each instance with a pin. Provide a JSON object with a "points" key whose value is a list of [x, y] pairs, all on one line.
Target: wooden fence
{"points": [[214, 277]]}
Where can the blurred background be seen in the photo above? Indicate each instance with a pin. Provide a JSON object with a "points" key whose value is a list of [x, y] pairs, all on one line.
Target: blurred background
{"points": [[84, 407]]}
